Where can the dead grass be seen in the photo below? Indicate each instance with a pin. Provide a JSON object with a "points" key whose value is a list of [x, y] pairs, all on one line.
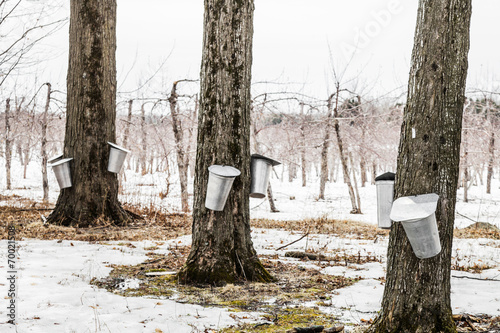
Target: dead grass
{"points": [[281, 301], [360, 230], [154, 225], [29, 215], [478, 230], [476, 323], [355, 229]]}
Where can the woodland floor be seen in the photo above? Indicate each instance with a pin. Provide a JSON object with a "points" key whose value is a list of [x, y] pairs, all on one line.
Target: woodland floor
{"points": [[296, 299]]}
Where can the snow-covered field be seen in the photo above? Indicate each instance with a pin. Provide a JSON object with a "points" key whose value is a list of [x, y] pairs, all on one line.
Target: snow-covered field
{"points": [[54, 294], [293, 201]]}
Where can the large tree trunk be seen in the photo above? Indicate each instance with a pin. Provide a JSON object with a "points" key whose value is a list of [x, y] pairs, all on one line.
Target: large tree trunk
{"points": [[45, 181], [8, 144], [91, 115], [222, 250], [417, 292], [179, 147]]}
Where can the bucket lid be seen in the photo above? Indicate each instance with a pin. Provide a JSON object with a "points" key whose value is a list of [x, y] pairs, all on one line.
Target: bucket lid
{"points": [[414, 208], [118, 147], [386, 176], [64, 160], [224, 170], [270, 160], [55, 158]]}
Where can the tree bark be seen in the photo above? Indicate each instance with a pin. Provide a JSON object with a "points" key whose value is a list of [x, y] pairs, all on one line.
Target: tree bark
{"points": [[374, 173], [343, 157], [144, 169], [19, 145], [491, 160], [45, 181], [466, 168], [222, 250], [324, 150], [292, 171], [179, 147], [417, 292], [356, 191], [129, 122], [303, 162], [270, 199], [8, 145], [491, 151], [91, 116], [362, 153]]}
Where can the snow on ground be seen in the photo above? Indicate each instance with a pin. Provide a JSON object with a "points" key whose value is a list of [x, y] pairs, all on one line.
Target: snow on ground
{"points": [[294, 201], [55, 295]]}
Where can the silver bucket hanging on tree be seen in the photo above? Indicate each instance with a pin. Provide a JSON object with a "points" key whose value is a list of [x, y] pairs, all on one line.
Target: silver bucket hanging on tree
{"points": [[385, 196], [62, 171], [220, 181], [417, 214], [117, 156], [260, 169]]}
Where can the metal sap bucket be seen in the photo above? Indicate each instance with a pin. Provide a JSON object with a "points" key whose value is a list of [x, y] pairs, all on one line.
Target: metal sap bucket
{"points": [[220, 181], [117, 156], [417, 214], [62, 171], [385, 196], [260, 169], [55, 159]]}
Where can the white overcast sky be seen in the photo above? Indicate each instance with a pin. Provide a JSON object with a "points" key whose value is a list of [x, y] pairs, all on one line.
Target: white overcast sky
{"points": [[294, 42]]}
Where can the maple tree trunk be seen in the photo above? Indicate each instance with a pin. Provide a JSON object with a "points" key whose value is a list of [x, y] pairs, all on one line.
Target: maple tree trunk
{"points": [[91, 116], [417, 292], [8, 144], [222, 250]]}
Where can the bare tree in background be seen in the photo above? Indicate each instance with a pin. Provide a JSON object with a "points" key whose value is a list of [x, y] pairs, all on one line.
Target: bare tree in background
{"points": [[356, 209], [23, 25], [8, 144], [45, 181], [257, 118], [180, 145]]}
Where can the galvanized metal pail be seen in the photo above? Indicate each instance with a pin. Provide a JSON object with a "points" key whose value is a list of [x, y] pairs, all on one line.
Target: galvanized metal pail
{"points": [[220, 181], [417, 215], [260, 169], [62, 171], [117, 156], [385, 196]]}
